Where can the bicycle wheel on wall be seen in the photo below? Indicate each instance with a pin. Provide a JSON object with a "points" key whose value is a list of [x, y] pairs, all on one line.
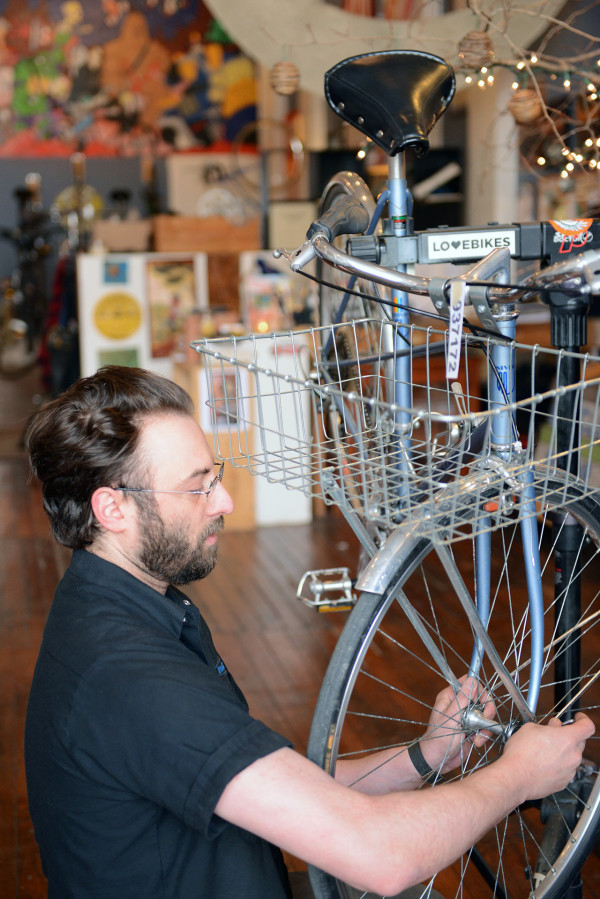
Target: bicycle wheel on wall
{"points": [[381, 683]]}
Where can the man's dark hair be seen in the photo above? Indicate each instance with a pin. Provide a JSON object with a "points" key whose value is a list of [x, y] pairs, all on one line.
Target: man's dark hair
{"points": [[86, 439]]}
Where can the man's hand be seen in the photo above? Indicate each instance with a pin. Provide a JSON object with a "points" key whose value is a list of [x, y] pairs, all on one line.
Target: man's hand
{"points": [[547, 756], [444, 738]]}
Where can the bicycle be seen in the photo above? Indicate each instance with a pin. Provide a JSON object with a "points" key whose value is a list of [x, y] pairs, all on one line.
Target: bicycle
{"points": [[455, 505], [23, 294]]}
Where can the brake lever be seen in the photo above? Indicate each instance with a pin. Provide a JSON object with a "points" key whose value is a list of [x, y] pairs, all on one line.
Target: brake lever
{"points": [[298, 258]]}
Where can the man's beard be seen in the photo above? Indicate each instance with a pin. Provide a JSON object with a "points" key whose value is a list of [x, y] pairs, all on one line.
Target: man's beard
{"points": [[168, 555]]}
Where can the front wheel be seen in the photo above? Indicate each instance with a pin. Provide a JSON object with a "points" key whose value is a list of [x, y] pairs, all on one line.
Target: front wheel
{"points": [[382, 681]]}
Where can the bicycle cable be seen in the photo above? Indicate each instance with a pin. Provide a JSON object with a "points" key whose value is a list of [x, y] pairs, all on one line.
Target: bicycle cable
{"points": [[477, 331]]}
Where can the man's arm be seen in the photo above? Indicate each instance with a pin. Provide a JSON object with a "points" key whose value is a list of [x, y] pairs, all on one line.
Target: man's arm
{"points": [[386, 843], [442, 745]]}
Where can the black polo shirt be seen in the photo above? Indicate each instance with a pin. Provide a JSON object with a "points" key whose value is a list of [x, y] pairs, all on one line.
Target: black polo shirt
{"points": [[134, 728]]}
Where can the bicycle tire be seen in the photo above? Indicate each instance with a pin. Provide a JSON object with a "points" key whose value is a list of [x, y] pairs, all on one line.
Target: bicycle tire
{"points": [[364, 342], [378, 685], [332, 284]]}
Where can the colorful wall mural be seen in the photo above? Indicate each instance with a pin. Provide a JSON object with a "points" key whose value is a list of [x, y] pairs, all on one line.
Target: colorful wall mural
{"points": [[118, 77]]}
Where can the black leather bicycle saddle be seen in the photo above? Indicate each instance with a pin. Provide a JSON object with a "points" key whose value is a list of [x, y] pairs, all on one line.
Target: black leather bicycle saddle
{"points": [[394, 97]]}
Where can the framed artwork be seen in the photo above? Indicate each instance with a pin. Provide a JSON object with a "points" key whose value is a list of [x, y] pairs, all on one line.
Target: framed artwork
{"points": [[223, 398], [120, 79], [172, 296]]}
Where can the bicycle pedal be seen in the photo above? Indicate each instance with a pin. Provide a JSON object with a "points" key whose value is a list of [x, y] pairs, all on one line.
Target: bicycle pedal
{"points": [[327, 590]]}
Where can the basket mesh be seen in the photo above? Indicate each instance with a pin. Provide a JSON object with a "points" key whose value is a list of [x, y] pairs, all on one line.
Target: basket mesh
{"points": [[318, 411]]}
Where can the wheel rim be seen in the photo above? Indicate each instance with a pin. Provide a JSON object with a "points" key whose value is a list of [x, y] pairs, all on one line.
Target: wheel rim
{"points": [[390, 681]]}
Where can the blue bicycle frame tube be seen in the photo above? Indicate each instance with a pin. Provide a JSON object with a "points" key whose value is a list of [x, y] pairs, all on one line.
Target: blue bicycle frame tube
{"points": [[398, 211], [501, 393]]}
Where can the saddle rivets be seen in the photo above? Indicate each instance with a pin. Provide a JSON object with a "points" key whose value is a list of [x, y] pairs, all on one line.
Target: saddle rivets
{"points": [[360, 120], [341, 107], [380, 133]]}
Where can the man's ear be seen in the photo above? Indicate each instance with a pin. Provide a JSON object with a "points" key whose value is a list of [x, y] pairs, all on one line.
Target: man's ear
{"points": [[110, 509]]}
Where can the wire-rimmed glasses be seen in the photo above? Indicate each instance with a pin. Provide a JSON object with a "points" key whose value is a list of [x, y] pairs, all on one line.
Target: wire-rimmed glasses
{"points": [[216, 480]]}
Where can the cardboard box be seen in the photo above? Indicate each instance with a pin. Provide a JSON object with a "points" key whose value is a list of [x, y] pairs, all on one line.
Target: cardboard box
{"points": [[179, 233]]}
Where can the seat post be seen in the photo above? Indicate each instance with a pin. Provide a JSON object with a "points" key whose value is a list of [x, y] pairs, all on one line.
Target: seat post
{"points": [[398, 201]]}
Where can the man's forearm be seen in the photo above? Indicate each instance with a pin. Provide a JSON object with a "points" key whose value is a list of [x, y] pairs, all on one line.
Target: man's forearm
{"points": [[439, 824], [382, 772]]}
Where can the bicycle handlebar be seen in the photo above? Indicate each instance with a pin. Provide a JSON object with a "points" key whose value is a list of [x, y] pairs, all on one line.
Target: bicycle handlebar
{"points": [[579, 275], [345, 216]]}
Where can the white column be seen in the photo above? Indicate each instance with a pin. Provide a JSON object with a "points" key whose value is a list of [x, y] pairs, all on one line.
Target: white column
{"points": [[492, 154]]}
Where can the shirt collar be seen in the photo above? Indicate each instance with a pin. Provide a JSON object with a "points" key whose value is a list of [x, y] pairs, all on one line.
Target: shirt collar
{"points": [[118, 586]]}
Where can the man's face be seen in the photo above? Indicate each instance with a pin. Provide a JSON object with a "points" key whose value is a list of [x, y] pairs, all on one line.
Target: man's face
{"points": [[177, 532], [169, 554]]}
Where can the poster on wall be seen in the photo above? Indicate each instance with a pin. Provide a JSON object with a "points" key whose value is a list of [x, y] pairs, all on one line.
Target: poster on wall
{"points": [[133, 309], [171, 293], [112, 79]]}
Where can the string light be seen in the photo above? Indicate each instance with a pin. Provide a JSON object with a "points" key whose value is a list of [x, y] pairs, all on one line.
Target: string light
{"points": [[542, 88]]}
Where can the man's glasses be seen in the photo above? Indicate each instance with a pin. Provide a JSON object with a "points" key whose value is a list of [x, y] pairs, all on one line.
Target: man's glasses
{"points": [[216, 480]]}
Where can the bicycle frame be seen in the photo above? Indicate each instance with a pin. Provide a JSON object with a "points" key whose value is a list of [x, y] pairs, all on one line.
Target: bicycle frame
{"points": [[502, 392]]}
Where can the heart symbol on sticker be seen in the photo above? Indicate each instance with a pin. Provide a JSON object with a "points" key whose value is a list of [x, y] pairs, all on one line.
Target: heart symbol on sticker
{"points": [[456, 244]]}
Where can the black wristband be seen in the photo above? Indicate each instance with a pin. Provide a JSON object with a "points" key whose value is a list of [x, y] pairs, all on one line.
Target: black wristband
{"points": [[418, 759]]}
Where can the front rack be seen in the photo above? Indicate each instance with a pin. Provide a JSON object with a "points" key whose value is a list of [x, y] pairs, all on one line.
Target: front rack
{"points": [[333, 430]]}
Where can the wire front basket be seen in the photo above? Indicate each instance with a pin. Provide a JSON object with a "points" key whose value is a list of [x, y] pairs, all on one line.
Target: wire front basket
{"points": [[361, 415]]}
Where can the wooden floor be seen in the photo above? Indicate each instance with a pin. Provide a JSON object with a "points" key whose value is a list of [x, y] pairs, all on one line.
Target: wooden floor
{"points": [[276, 647]]}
